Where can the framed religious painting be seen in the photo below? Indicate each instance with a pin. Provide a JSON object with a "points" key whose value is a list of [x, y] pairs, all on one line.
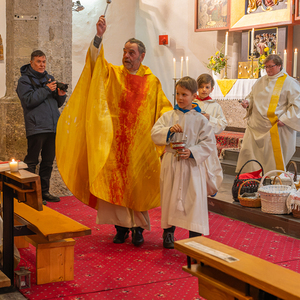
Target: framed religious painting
{"points": [[264, 41], [212, 14], [246, 14], [297, 12]]}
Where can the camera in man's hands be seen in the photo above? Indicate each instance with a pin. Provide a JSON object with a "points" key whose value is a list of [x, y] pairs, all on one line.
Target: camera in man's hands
{"points": [[62, 86]]}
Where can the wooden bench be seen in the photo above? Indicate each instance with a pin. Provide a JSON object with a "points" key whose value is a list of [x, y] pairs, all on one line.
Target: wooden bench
{"points": [[50, 232], [245, 279], [4, 280], [53, 241]]}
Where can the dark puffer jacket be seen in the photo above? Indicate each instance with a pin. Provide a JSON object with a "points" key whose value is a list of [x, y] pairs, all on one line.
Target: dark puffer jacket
{"points": [[40, 104]]}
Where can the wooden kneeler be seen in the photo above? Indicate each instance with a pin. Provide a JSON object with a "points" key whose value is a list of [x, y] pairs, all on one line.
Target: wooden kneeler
{"points": [[54, 260]]}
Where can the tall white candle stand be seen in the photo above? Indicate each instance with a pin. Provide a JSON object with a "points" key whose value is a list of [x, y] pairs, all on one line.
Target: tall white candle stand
{"points": [[175, 81], [225, 76]]}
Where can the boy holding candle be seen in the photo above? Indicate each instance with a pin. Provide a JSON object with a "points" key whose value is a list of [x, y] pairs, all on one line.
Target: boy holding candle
{"points": [[210, 108], [186, 182]]}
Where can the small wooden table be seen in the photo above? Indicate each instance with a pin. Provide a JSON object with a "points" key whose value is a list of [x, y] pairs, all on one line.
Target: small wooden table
{"points": [[244, 279], [25, 187]]}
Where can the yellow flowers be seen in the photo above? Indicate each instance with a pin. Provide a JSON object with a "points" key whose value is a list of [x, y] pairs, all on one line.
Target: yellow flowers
{"points": [[266, 49], [217, 62]]}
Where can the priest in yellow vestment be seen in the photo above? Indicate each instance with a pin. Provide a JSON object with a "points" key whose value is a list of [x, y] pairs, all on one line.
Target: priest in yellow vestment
{"points": [[104, 149], [273, 112]]}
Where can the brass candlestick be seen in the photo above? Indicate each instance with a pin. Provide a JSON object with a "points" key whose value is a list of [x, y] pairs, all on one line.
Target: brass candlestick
{"points": [[175, 81], [225, 76], [251, 74]]}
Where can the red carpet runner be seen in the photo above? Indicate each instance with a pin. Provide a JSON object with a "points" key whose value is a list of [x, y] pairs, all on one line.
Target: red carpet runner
{"points": [[104, 270], [228, 139]]}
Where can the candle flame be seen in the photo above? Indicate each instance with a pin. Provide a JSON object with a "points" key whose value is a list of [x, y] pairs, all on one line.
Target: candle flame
{"points": [[12, 160]]}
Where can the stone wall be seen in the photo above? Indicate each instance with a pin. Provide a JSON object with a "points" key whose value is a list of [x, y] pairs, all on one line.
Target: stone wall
{"points": [[32, 25]]}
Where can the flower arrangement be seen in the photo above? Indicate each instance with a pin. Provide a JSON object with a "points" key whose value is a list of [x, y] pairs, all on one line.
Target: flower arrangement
{"points": [[262, 58], [217, 62]]}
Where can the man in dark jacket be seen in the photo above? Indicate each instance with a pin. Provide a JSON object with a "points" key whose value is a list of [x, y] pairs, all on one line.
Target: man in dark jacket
{"points": [[40, 99]]}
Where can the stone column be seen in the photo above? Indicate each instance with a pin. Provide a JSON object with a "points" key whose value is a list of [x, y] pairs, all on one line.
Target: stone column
{"points": [[32, 25], [237, 39]]}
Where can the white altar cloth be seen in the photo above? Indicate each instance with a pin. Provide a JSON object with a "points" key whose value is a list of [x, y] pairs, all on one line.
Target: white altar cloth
{"points": [[239, 91]]}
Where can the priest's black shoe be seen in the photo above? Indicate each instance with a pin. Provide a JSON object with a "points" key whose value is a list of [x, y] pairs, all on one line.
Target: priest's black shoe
{"points": [[50, 198], [122, 235], [168, 238], [137, 236]]}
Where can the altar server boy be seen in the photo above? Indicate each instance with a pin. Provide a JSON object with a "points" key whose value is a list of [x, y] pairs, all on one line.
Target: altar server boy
{"points": [[186, 182], [210, 108]]}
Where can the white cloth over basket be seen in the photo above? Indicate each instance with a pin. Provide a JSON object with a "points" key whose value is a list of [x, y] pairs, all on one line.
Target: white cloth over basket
{"points": [[293, 201], [285, 178], [274, 197]]}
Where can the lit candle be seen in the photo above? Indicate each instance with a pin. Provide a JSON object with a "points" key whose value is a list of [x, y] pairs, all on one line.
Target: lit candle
{"points": [[181, 67], [187, 65], [284, 58], [174, 64], [273, 52], [295, 63], [14, 166], [226, 44], [252, 41]]}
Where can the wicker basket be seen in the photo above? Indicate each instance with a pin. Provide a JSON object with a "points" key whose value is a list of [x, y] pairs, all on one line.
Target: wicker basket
{"points": [[273, 197], [293, 204], [296, 180], [286, 179], [296, 212], [247, 200], [250, 187]]}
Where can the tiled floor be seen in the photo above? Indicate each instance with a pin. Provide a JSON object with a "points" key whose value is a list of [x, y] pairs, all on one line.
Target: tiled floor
{"points": [[12, 296]]}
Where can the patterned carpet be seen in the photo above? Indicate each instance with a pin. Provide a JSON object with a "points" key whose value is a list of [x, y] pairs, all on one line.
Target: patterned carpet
{"points": [[104, 270], [228, 139]]}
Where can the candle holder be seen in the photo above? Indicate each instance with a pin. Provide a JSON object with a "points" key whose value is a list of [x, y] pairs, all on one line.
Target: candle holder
{"points": [[251, 74], [225, 76], [175, 81], [22, 278]]}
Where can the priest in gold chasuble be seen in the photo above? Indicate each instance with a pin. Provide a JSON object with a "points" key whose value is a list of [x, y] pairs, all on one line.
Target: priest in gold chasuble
{"points": [[104, 149], [273, 113]]}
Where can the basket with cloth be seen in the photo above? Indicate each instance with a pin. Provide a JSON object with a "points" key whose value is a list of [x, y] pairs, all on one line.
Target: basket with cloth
{"points": [[286, 179], [252, 178], [293, 204], [274, 197]]}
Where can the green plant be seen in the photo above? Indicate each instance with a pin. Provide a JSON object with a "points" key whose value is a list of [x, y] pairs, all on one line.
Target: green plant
{"points": [[217, 62]]}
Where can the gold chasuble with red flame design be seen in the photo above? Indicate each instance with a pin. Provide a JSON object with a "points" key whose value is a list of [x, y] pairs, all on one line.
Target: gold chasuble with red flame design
{"points": [[103, 142]]}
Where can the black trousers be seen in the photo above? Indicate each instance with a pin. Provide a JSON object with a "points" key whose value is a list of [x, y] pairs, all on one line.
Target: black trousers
{"points": [[43, 143]]}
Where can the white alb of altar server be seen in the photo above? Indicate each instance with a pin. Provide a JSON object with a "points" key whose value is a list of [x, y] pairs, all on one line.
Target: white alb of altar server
{"points": [[273, 119], [216, 116], [187, 180]]}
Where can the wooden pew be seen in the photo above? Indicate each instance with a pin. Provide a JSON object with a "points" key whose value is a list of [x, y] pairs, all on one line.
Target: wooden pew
{"points": [[53, 241], [4, 280], [27, 187], [54, 232], [245, 279]]}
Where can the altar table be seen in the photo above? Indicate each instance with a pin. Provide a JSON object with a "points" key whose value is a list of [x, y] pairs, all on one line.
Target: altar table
{"points": [[240, 89]]}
